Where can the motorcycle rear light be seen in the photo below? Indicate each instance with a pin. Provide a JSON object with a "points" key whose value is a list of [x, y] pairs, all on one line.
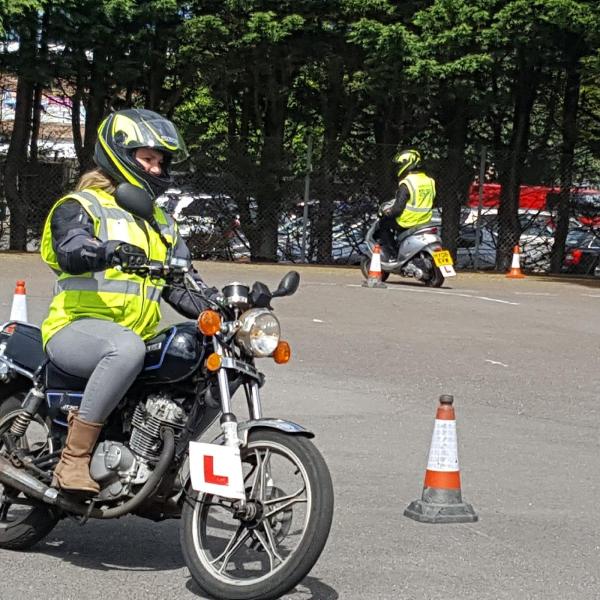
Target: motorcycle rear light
{"points": [[433, 230], [213, 362], [282, 353], [209, 322]]}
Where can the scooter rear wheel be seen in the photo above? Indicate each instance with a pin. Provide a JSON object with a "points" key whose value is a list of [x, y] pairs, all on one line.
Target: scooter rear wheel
{"points": [[436, 280], [365, 264]]}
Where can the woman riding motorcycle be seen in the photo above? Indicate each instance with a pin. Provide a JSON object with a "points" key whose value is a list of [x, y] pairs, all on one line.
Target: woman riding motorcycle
{"points": [[102, 312]]}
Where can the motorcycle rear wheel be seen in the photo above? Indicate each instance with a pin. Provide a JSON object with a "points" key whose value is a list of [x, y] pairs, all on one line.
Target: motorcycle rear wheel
{"points": [[436, 279], [23, 522], [262, 558]]}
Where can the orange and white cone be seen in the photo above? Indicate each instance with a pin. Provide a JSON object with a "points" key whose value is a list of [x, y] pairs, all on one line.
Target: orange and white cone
{"points": [[515, 269], [374, 278], [441, 501], [18, 311]]}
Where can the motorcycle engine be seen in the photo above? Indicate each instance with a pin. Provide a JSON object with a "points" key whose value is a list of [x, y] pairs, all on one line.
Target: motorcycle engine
{"points": [[158, 411], [116, 467]]}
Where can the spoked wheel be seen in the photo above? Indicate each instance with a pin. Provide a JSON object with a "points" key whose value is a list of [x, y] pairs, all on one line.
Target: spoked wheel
{"points": [[268, 550], [23, 521]]}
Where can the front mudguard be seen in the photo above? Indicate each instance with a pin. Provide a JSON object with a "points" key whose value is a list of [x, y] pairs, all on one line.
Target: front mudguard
{"points": [[244, 429]]}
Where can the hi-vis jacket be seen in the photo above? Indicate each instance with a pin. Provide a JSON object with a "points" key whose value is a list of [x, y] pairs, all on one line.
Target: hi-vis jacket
{"points": [[127, 299], [419, 207]]}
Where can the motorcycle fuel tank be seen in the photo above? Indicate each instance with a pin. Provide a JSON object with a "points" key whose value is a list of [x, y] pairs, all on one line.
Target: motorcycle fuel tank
{"points": [[173, 354]]}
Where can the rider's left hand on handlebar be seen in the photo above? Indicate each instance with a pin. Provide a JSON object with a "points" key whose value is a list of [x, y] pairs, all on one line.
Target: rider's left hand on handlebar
{"points": [[129, 256]]}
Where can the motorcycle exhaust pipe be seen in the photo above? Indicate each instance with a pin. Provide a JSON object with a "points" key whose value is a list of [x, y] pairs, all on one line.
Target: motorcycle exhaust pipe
{"points": [[30, 486], [24, 482]]}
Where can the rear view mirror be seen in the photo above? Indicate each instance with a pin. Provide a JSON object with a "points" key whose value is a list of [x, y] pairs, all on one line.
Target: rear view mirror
{"points": [[288, 285]]}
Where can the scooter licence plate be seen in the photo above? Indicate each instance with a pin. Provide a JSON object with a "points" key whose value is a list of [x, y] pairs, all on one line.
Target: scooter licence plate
{"points": [[442, 258]]}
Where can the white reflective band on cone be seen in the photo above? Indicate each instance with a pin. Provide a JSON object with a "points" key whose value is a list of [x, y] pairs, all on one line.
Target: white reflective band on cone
{"points": [[443, 454], [375, 263], [18, 311]]}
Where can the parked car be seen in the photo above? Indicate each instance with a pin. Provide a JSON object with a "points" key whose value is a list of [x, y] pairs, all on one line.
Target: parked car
{"points": [[582, 254], [208, 222], [535, 242]]}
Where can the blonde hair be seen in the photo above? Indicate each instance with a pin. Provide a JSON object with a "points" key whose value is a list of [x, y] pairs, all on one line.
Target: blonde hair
{"points": [[96, 179]]}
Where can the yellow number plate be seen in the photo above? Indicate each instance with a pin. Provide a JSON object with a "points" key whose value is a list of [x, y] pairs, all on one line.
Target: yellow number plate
{"points": [[442, 258]]}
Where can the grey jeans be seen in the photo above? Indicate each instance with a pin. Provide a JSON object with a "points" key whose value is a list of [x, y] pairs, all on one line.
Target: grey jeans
{"points": [[108, 355]]}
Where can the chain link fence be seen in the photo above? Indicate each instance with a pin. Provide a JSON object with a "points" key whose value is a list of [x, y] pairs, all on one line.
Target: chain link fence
{"points": [[247, 200]]}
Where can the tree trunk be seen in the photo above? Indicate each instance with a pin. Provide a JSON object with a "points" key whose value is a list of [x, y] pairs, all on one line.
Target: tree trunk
{"points": [[39, 86], [508, 212], [16, 157], [569, 138], [387, 138], [95, 108], [454, 177], [263, 243]]}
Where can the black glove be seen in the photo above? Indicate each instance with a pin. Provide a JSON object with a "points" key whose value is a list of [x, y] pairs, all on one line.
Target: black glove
{"points": [[127, 256], [211, 292]]}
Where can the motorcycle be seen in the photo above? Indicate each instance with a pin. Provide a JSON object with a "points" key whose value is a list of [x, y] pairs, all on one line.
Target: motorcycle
{"points": [[420, 255], [256, 503]]}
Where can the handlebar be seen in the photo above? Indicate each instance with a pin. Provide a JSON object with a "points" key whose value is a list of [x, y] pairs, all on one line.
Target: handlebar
{"points": [[259, 296], [157, 270]]}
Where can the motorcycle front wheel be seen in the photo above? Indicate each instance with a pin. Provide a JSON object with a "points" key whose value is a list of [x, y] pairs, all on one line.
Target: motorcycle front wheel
{"points": [[289, 488]]}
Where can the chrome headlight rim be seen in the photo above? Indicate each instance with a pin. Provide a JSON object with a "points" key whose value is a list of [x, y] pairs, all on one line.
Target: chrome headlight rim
{"points": [[251, 335]]}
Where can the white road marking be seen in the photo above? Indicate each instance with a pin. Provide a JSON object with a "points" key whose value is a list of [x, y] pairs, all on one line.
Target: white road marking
{"points": [[534, 294], [495, 362], [319, 283], [318, 321], [591, 295], [442, 292]]}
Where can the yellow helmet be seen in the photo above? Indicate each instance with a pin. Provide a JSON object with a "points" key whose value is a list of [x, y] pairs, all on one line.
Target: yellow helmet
{"points": [[408, 160], [123, 132]]}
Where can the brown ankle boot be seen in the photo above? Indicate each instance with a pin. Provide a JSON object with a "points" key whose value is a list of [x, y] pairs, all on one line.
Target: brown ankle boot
{"points": [[72, 473]]}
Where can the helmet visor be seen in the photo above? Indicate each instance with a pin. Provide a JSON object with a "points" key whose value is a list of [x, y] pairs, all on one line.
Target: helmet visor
{"points": [[159, 134]]}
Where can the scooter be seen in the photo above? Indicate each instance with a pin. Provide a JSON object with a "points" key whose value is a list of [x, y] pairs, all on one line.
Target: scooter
{"points": [[420, 255]]}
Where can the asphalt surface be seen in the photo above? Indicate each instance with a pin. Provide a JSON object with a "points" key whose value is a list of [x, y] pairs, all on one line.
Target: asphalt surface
{"points": [[520, 358]]}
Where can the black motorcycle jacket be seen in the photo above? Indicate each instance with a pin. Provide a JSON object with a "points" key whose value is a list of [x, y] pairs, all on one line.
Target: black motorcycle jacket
{"points": [[79, 251], [394, 208]]}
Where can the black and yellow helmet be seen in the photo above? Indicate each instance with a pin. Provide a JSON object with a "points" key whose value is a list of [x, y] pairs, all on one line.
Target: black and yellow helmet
{"points": [[407, 160], [123, 132]]}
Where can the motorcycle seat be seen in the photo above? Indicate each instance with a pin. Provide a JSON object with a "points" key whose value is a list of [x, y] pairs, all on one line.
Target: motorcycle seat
{"points": [[57, 379], [412, 231], [24, 346]]}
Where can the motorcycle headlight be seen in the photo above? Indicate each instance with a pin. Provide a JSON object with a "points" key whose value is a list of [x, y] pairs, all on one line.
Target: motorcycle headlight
{"points": [[259, 333]]}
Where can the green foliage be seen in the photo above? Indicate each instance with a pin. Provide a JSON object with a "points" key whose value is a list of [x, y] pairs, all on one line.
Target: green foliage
{"points": [[255, 77]]}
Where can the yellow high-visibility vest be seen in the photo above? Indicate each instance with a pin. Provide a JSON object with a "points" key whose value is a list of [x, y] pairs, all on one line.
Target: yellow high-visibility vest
{"points": [[419, 207], [127, 299]]}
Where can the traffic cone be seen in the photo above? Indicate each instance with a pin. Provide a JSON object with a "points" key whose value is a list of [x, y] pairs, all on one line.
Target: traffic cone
{"points": [[515, 270], [441, 501], [374, 278], [18, 311]]}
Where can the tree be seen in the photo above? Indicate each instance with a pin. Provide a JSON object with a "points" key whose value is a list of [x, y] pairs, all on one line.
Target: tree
{"points": [[22, 24], [451, 59]]}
